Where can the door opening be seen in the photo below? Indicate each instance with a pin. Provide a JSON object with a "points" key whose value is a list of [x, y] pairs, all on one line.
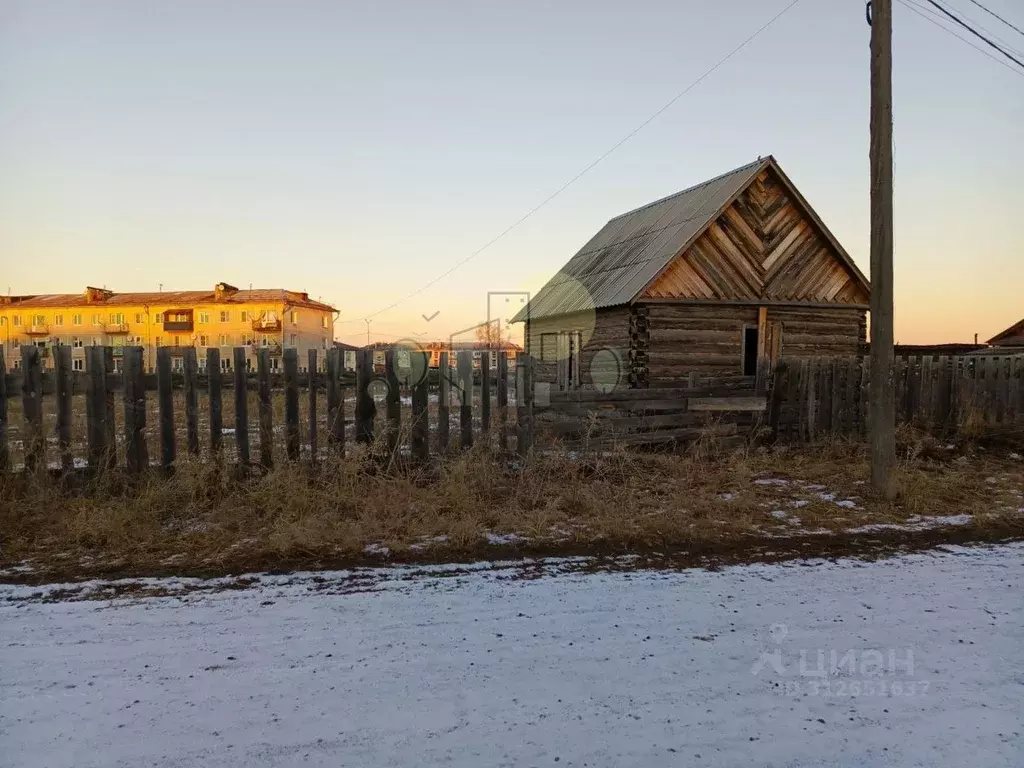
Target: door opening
{"points": [[750, 340]]}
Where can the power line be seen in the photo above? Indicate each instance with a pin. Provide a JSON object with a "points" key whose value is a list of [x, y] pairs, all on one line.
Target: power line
{"points": [[590, 167], [976, 33], [996, 15], [921, 11]]}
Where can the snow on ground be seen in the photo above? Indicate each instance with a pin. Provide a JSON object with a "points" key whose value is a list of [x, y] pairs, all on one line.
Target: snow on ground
{"points": [[920, 660]]}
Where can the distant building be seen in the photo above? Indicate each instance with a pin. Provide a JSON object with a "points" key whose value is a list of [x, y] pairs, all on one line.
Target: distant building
{"points": [[720, 278], [225, 317], [435, 348]]}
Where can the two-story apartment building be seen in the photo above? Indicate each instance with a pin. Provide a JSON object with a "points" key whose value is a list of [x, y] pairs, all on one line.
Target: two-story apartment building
{"points": [[225, 317]]}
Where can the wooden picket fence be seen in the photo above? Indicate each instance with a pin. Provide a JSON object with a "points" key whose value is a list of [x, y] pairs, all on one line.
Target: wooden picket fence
{"points": [[105, 451], [946, 396]]}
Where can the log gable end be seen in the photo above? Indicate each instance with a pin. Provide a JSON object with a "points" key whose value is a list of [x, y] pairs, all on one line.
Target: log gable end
{"points": [[765, 246]]}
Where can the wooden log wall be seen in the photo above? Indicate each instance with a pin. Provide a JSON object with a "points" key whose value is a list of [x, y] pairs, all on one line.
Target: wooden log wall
{"points": [[605, 356], [704, 338]]}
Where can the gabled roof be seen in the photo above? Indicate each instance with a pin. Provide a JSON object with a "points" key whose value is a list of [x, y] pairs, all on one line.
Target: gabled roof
{"points": [[1012, 336], [633, 249]]}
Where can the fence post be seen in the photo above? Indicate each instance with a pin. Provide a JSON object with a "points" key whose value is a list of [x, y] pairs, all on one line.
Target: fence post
{"points": [[850, 414], [836, 396], [165, 398], [265, 408], [925, 405], [191, 366], [365, 407], [291, 403], [110, 406], [465, 371], [96, 407], [863, 399], [443, 403], [32, 403], [485, 393], [5, 456], [62, 372], [524, 391], [136, 453], [213, 386], [420, 424], [335, 403], [241, 406], [502, 383], [393, 400], [312, 404], [812, 400]]}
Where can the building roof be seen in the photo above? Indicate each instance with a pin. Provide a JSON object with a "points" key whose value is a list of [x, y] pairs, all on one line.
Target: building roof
{"points": [[1011, 337], [633, 249], [184, 299]]}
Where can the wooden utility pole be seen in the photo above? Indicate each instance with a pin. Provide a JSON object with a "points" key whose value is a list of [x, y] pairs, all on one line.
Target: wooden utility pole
{"points": [[883, 410]]}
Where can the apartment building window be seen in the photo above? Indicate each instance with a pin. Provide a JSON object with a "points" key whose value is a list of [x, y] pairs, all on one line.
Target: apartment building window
{"points": [[16, 343], [97, 319], [138, 318], [78, 364], [158, 318], [58, 319], [76, 319], [156, 341], [225, 316], [16, 321], [292, 340], [117, 318], [38, 320], [323, 321], [243, 316], [225, 339], [204, 317], [274, 363], [177, 341], [77, 343], [225, 364], [295, 317], [204, 341]]}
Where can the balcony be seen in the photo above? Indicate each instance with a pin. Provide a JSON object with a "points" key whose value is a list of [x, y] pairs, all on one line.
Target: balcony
{"points": [[267, 325], [177, 326], [115, 328], [38, 330]]}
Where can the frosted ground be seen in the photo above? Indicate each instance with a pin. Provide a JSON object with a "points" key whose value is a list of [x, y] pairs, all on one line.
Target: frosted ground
{"points": [[916, 660]]}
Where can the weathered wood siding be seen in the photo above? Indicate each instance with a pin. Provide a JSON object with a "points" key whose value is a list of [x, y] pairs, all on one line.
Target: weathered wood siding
{"points": [[708, 338], [607, 330], [763, 246]]}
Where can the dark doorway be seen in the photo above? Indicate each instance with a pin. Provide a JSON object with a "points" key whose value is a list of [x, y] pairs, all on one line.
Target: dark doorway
{"points": [[750, 351]]}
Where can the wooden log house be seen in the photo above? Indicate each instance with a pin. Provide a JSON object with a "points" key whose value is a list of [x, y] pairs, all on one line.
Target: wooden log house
{"points": [[721, 279]]}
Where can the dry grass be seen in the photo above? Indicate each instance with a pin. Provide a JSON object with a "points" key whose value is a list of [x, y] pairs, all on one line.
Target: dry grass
{"points": [[202, 520]]}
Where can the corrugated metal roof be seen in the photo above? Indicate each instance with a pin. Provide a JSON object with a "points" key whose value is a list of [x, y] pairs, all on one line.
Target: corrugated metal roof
{"points": [[632, 249], [168, 298]]}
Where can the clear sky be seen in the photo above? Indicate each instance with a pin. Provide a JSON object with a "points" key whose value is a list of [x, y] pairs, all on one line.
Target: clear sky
{"points": [[359, 150]]}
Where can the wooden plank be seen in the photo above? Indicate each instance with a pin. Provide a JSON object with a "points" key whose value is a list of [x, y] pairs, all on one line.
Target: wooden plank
{"points": [[443, 403], [335, 402], [393, 401], [96, 408], [5, 455], [420, 436], [863, 396], [526, 380], [213, 388], [32, 405], [693, 380], [365, 408], [900, 388], [777, 396], [502, 383], [941, 390], [758, 403], [485, 390], [850, 413], [1000, 384], [465, 371], [136, 451], [925, 414], [812, 399], [292, 439], [110, 400], [165, 401], [913, 392], [312, 368], [835, 423], [981, 400], [265, 407], [241, 407], [62, 370], [190, 363], [1017, 388]]}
